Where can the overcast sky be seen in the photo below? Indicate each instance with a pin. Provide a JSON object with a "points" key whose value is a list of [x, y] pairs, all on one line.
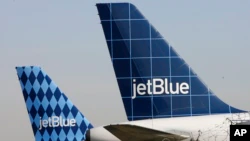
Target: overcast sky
{"points": [[65, 38]]}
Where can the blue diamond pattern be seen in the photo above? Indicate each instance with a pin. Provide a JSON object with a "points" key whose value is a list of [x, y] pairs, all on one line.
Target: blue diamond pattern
{"points": [[57, 110], [45, 116], [43, 100], [70, 116], [61, 102], [41, 111], [37, 103], [35, 88], [69, 103], [40, 77], [52, 87], [36, 71], [38, 136], [49, 111], [27, 71], [54, 134], [53, 103], [40, 94], [48, 79], [74, 111], [32, 95], [20, 70], [44, 86], [46, 136], [29, 103], [32, 78], [62, 135], [78, 134], [71, 135], [57, 94], [66, 130], [28, 86], [24, 79], [45, 103]]}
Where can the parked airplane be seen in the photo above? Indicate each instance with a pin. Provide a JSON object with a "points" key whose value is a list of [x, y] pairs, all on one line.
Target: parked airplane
{"points": [[159, 89], [163, 98]]}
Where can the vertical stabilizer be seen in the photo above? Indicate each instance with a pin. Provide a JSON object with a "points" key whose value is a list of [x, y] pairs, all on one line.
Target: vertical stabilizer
{"points": [[154, 80], [52, 115]]}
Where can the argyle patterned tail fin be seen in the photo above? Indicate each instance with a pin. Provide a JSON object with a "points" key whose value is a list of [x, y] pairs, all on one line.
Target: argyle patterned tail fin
{"points": [[52, 115]]}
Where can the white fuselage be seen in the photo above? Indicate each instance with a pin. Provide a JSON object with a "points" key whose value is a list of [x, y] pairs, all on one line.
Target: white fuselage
{"points": [[203, 128]]}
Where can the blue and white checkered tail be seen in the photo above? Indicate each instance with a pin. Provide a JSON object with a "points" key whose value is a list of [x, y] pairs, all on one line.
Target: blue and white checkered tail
{"points": [[52, 115]]}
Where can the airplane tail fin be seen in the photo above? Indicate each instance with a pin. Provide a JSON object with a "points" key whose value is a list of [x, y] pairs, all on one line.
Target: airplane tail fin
{"points": [[154, 80], [52, 115]]}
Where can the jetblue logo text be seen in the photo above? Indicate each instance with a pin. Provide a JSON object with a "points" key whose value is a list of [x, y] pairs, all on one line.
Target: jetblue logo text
{"points": [[239, 132], [158, 87], [55, 121]]}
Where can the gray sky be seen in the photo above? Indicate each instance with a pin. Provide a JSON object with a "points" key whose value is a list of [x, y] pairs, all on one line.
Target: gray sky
{"points": [[66, 39]]}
